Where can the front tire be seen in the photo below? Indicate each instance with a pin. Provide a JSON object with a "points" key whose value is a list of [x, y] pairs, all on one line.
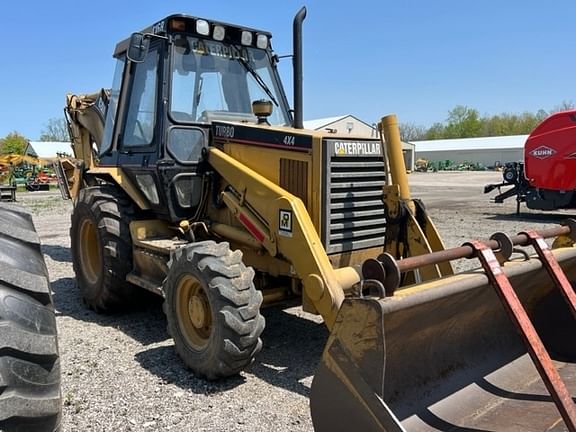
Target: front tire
{"points": [[102, 247], [30, 397], [213, 309]]}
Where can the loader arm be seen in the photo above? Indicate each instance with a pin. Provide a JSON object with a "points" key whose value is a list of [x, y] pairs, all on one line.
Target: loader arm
{"points": [[262, 206], [356, 344]]}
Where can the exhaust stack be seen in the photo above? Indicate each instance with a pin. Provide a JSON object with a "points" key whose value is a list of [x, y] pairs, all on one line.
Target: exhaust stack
{"points": [[297, 64]]}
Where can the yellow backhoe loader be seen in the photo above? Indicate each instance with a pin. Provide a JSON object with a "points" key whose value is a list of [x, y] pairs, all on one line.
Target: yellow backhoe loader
{"points": [[193, 179]]}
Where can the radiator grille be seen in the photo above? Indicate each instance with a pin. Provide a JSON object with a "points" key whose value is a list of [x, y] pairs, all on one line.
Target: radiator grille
{"points": [[354, 212]]}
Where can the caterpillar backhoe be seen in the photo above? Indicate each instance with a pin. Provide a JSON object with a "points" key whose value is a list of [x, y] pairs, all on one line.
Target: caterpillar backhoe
{"points": [[193, 179]]}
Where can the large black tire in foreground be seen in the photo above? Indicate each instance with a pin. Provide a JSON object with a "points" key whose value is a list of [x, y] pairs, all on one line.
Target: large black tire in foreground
{"points": [[102, 247], [29, 363], [213, 309]]}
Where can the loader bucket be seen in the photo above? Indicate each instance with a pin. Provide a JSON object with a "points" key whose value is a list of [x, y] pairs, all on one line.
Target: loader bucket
{"points": [[445, 355]]}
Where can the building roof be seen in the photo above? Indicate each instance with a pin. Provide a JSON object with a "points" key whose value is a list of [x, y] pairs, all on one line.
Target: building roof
{"points": [[48, 149], [322, 122], [484, 143]]}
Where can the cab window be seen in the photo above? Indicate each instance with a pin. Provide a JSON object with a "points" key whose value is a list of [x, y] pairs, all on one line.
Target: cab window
{"points": [[141, 114], [112, 106]]}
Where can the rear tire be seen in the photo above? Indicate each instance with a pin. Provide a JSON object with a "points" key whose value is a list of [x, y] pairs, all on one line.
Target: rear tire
{"points": [[213, 309], [102, 247], [30, 397]]}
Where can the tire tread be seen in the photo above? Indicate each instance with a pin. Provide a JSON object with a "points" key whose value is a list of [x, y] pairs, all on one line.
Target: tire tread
{"points": [[233, 298], [30, 398]]}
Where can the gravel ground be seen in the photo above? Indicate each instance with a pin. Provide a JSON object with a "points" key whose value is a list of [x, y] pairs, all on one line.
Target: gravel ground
{"points": [[120, 372]]}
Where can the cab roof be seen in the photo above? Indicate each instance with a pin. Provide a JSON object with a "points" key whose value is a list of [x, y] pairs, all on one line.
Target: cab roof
{"points": [[187, 24]]}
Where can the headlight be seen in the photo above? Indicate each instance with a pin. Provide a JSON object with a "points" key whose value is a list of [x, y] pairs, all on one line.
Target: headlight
{"points": [[202, 27], [219, 33], [246, 38], [262, 41]]}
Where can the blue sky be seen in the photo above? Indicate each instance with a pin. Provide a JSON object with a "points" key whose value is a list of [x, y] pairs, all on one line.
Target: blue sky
{"points": [[417, 59]]}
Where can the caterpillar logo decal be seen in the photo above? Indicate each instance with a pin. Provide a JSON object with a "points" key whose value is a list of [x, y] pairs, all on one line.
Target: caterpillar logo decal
{"points": [[355, 148]]}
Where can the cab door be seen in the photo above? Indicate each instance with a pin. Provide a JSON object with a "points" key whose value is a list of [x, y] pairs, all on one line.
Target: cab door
{"points": [[140, 127]]}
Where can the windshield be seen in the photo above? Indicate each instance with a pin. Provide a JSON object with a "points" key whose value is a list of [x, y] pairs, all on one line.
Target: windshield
{"points": [[212, 80]]}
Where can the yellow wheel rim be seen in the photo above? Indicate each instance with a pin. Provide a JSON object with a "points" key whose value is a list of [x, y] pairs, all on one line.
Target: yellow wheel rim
{"points": [[193, 312], [88, 245]]}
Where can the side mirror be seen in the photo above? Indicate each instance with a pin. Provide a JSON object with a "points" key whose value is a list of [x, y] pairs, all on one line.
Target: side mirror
{"points": [[138, 47]]}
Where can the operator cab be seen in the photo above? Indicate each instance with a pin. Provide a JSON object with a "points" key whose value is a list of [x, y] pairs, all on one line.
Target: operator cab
{"points": [[172, 81]]}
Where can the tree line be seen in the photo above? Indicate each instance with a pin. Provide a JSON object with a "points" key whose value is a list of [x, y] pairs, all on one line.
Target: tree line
{"points": [[465, 122], [15, 143], [462, 122]]}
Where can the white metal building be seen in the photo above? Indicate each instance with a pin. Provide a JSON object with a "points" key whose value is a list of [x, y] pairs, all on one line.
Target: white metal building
{"points": [[488, 151], [349, 125], [48, 149], [343, 125]]}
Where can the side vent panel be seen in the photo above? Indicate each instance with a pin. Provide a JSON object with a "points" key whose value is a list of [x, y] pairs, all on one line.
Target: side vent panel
{"points": [[294, 178]]}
